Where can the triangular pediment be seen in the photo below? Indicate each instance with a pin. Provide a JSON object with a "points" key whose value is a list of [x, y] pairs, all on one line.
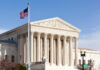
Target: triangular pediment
{"points": [[56, 23]]}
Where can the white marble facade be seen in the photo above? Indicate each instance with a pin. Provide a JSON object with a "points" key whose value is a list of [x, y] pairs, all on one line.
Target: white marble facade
{"points": [[56, 49], [52, 39], [8, 51], [92, 55]]}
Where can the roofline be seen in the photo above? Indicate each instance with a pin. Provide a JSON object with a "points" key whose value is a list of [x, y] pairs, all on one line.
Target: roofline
{"points": [[86, 49], [12, 30], [68, 24], [38, 21], [59, 19]]}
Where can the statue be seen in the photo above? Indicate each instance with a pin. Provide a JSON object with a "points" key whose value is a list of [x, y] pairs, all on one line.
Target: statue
{"points": [[43, 59]]}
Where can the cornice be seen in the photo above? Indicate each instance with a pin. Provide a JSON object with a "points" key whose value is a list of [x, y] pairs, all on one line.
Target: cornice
{"points": [[13, 30], [54, 28], [55, 19], [68, 24], [51, 19], [89, 50]]}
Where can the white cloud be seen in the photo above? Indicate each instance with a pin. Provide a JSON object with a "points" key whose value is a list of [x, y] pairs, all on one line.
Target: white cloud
{"points": [[3, 30], [91, 41]]}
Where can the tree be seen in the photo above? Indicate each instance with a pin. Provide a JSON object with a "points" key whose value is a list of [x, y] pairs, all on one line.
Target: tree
{"points": [[20, 67], [8, 65]]}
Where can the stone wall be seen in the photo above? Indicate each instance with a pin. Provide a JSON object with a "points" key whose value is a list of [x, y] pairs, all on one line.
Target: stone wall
{"points": [[90, 55], [9, 50]]}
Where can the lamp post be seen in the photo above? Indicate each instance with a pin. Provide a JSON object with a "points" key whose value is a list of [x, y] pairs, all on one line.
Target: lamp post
{"points": [[83, 53]]}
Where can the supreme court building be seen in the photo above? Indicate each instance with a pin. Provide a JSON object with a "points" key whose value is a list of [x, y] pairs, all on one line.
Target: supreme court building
{"points": [[52, 44]]}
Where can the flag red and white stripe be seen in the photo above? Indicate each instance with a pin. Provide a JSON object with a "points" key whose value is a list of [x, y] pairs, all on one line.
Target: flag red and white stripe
{"points": [[24, 13]]}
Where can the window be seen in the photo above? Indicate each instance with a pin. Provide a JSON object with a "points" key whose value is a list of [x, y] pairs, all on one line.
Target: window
{"points": [[12, 58], [8, 38], [79, 62], [6, 57], [12, 38]]}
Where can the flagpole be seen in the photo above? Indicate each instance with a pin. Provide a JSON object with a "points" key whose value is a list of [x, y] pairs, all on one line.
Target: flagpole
{"points": [[28, 46]]}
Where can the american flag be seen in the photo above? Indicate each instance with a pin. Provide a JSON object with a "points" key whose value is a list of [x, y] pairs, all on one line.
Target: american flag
{"points": [[24, 13]]}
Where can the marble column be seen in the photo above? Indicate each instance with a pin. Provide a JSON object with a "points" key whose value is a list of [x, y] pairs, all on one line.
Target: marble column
{"points": [[35, 49], [76, 51], [41, 49], [48, 49], [32, 47], [54, 51], [65, 50], [58, 50], [45, 46], [70, 51], [51, 49], [38, 47]]}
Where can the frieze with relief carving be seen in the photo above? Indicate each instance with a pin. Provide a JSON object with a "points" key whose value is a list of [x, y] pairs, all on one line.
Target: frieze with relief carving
{"points": [[55, 24]]}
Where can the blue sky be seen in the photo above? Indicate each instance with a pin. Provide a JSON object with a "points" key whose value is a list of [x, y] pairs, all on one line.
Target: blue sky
{"points": [[84, 14]]}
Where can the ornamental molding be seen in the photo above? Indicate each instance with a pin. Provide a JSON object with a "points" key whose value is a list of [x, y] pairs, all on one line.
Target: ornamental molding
{"points": [[56, 23]]}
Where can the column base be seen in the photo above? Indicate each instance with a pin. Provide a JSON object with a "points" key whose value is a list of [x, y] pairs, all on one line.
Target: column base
{"points": [[52, 64]]}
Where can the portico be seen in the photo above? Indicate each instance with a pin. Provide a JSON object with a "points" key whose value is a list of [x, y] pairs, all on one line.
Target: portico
{"points": [[54, 40], [53, 48]]}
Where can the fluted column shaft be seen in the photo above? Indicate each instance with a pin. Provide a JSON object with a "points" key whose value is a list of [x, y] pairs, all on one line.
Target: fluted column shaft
{"points": [[51, 49], [32, 48], [70, 51], [59, 51], [65, 51], [76, 51], [45, 46], [26, 47], [35, 50], [38, 47]]}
